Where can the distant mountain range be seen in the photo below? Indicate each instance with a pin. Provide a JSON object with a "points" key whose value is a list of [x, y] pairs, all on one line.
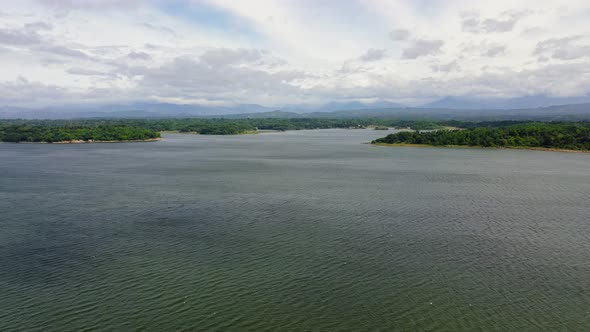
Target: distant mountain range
{"points": [[340, 106], [446, 108], [134, 110], [504, 103], [573, 112], [147, 109]]}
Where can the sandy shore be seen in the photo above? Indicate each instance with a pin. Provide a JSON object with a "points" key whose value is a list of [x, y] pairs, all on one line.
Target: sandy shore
{"points": [[478, 147]]}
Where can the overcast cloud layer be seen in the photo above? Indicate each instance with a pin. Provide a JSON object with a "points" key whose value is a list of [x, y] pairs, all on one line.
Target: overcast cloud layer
{"points": [[290, 51]]}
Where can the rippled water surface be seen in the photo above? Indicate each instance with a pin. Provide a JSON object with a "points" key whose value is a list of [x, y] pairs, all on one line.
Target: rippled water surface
{"points": [[303, 230]]}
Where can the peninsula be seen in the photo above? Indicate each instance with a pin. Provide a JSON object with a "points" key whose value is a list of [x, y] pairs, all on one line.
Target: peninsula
{"points": [[27, 133], [566, 136]]}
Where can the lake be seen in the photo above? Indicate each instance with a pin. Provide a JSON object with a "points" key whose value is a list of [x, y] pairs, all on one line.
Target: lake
{"points": [[294, 231]]}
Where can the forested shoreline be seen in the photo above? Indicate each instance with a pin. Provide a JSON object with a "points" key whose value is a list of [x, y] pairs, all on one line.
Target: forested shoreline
{"points": [[53, 134], [558, 135], [223, 126], [565, 136], [99, 130]]}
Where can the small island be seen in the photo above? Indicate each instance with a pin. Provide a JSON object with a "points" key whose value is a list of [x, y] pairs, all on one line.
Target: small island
{"points": [[534, 135], [381, 128]]}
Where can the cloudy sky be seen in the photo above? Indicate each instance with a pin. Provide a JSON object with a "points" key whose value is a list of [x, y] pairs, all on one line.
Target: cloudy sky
{"points": [[285, 52]]}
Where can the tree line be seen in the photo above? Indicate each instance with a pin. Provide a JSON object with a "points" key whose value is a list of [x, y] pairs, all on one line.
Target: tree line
{"points": [[571, 136], [491, 133], [52, 133], [210, 126]]}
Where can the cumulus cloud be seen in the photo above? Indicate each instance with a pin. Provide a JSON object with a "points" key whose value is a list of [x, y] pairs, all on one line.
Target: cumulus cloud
{"points": [[90, 4], [38, 26], [484, 49], [446, 68], [422, 47], [158, 28], [472, 22], [568, 48], [555, 80], [227, 56], [140, 50], [373, 54], [62, 51], [84, 72], [219, 78], [29, 38], [494, 51], [139, 56], [18, 37], [399, 34], [24, 91]]}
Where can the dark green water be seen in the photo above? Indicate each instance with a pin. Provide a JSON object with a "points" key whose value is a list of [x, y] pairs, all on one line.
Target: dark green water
{"points": [[302, 231]]}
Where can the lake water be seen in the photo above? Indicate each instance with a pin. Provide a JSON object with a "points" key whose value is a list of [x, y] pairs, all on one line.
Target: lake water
{"points": [[301, 231]]}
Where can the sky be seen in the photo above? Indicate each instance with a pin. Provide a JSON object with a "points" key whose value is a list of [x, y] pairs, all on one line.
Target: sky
{"points": [[290, 52]]}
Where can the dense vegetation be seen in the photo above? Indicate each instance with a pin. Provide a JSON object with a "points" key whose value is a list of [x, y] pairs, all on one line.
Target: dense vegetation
{"points": [[141, 129], [571, 136], [489, 134], [231, 126], [49, 134]]}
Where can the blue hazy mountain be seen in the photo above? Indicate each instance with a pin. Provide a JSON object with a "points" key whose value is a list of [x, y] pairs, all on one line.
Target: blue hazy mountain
{"points": [[131, 110], [155, 109], [505, 103], [355, 105], [448, 108]]}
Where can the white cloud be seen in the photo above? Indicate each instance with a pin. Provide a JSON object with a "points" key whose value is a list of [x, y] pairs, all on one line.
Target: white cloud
{"points": [[290, 51], [422, 47], [226, 56], [447, 67], [373, 54], [84, 72], [472, 22], [18, 37], [139, 56], [568, 48], [399, 34], [494, 51], [22, 91]]}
